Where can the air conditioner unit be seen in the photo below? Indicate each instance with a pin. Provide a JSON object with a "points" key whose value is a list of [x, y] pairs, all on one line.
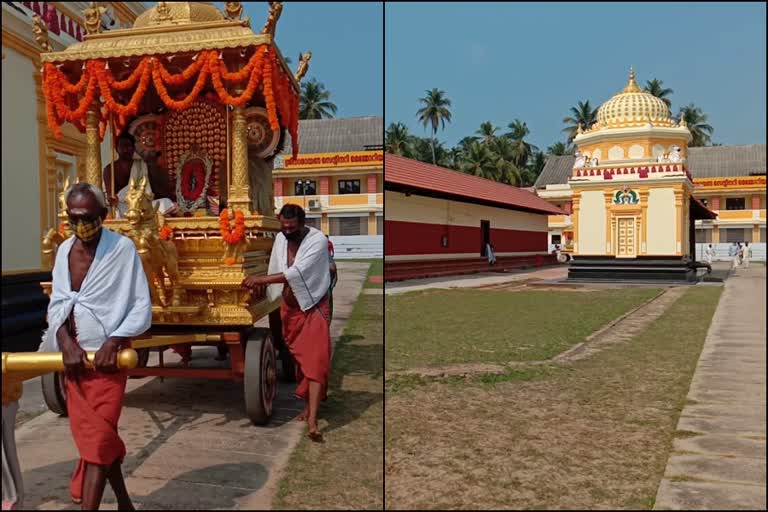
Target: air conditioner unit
{"points": [[314, 204]]}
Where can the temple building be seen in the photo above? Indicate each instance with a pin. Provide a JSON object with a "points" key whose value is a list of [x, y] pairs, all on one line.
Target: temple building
{"points": [[439, 222], [338, 179], [628, 193]]}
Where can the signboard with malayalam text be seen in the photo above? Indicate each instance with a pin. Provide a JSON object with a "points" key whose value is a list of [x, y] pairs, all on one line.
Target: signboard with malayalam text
{"points": [[330, 160], [735, 182]]}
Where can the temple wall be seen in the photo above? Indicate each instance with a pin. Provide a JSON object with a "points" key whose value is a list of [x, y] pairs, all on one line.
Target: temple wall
{"points": [[21, 189], [592, 230], [662, 226]]}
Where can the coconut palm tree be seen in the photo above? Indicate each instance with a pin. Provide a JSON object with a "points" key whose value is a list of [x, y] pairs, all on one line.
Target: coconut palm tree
{"points": [[523, 149], [487, 132], [434, 112], [422, 149], [315, 101], [397, 140], [656, 87], [505, 154], [696, 120], [559, 149], [535, 166], [582, 114], [477, 160]]}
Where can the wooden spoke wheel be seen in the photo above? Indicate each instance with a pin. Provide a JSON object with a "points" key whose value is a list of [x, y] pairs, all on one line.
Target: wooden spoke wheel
{"points": [[260, 379], [55, 392]]}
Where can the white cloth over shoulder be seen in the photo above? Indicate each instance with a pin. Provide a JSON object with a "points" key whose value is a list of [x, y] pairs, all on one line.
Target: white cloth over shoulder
{"points": [[308, 277], [113, 299], [139, 170]]}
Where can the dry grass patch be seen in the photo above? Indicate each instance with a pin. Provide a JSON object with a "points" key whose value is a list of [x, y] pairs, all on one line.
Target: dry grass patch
{"points": [[345, 472], [592, 435]]}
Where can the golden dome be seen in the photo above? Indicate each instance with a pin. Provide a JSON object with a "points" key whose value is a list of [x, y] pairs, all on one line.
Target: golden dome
{"points": [[178, 13], [634, 106]]}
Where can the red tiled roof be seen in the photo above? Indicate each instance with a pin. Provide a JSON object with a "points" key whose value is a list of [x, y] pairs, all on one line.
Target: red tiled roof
{"points": [[419, 175]]}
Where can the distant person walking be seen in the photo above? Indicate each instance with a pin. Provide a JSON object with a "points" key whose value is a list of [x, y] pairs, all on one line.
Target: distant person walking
{"points": [[747, 252], [733, 252], [490, 254], [709, 254]]}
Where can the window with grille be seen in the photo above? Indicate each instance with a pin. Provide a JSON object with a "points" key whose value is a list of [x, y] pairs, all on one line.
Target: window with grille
{"points": [[349, 186], [735, 203], [313, 222], [380, 225], [730, 235], [305, 188]]}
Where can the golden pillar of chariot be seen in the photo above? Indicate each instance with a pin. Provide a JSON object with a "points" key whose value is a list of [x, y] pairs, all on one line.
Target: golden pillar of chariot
{"points": [[213, 98]]}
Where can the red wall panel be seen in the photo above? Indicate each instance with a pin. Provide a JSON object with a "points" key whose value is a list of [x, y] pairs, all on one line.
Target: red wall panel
{"points": [[406, 238]]}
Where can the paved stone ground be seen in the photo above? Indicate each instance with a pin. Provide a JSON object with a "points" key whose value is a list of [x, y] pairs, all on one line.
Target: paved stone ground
{"points": [[190, 445], [476, 280], [724, 466]]}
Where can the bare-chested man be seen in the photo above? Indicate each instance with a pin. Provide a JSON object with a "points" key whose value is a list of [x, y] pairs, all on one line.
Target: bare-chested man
{"points": [[99, 301], [126, 167]]}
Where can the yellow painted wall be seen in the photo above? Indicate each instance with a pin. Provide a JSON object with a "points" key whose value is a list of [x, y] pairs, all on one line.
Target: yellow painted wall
{"points": [[441, 211], [662, 228], [592, 228]]}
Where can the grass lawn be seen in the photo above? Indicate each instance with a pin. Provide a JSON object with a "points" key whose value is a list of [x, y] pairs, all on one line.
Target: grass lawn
{"points": [[595, 434], [376, 269], [471, 326], [345, 472]]}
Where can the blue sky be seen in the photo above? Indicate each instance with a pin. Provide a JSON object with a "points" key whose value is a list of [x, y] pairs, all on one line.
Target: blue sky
{"points": [[346, 40], [533, 61]]}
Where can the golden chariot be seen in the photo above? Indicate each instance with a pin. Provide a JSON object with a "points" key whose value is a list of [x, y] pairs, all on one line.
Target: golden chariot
{"points": [[214, 99]]}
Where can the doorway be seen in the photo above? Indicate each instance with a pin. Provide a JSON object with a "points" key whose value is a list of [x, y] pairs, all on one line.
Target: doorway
{"points": [[625, 237], [485, 236]]}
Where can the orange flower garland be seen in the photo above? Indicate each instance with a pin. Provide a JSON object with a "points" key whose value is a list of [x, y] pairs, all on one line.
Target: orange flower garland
{"points": [[66, 101], [186, 102], [229, 236], [166, 233]]}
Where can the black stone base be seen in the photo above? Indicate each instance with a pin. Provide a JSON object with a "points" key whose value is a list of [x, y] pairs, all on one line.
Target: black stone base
{"points": [[670, 270]]}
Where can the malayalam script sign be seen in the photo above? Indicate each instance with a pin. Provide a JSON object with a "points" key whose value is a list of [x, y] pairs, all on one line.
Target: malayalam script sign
{"points": [[331, 160], [739, 181]]}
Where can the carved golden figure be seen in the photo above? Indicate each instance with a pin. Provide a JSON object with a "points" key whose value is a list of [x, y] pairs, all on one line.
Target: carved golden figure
{"points": [[53, 237], [92, 17], [303, 65], [275, 9], [234, 10], [158, 256], [40, 29]]}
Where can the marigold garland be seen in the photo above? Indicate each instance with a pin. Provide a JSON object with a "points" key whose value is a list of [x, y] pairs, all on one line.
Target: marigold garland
{"points": [[183, 103], [166, 233], [67, 101], [229, 236]]}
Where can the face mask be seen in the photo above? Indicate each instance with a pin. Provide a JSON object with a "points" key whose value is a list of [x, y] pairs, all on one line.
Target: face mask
{"points": [[87, 231]]}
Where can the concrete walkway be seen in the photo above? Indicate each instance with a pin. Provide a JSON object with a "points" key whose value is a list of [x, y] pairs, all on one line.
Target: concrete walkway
{"points": [[190, 445], [723, 466], [475, 280]]}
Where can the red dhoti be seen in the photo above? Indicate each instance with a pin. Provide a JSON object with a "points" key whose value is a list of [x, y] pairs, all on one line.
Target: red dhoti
{"points": [[94, 403], [308, 337]]}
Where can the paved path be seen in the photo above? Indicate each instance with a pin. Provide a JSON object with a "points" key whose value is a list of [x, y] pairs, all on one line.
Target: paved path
{"points": [[724, 467], [475, 280], [190, 445]]}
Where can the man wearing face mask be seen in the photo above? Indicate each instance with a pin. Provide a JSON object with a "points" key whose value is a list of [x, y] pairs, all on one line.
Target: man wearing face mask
{"points": [[298, 272], [99, 301]]}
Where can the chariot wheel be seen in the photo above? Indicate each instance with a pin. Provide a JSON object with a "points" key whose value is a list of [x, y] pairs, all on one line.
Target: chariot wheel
{"points": [[55, 392], [260, 379]]}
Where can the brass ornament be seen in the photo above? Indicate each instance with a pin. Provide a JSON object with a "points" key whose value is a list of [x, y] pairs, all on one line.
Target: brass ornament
{"points": [[234, 10], [303, 67], [190, 205], [275, 9], [144, 129], [92, 17], [40, 30], [262, 140]]}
